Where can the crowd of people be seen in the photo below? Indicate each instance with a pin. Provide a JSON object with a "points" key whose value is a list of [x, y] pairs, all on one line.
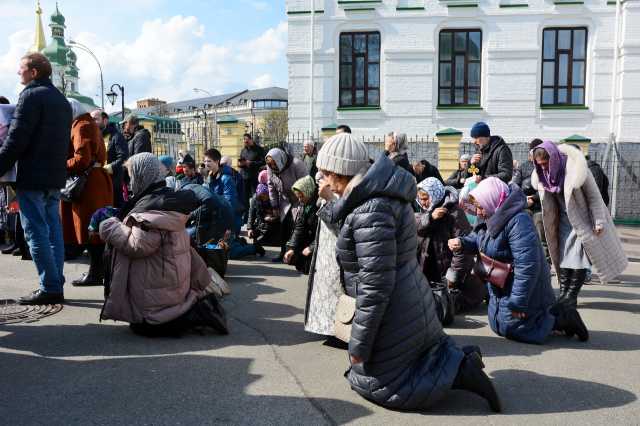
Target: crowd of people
{"points": [[392, 251]]}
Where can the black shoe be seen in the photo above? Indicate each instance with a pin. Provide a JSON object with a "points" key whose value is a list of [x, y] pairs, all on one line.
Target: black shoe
{"points": [[260, 250], [570, 322], [40, 297], [87, 280], [17, 252], [9, 249], [471, 378], [470, 349], [26, 255], [278, 259]]}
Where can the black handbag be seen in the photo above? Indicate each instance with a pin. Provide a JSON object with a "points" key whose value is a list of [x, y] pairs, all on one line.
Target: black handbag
{"points": [[215, 258], [74, 186]]}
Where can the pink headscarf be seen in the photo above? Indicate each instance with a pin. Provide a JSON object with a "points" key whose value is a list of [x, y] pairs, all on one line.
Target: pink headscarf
{"points": [[490, 194], [263, 177]]}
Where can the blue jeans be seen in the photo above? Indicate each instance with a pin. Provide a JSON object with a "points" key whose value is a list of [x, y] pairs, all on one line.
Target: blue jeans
{"points": [[40, 216]]}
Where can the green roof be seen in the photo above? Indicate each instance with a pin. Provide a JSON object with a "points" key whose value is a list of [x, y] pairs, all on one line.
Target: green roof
{"points": [[82, 99], [448, 132], [228, 119], [162, 124], [56, 51], [57, 17], [332, 126], [576, 138]]}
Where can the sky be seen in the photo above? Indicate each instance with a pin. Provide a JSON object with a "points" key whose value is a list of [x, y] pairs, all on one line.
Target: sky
{"points": [[157, 48]]}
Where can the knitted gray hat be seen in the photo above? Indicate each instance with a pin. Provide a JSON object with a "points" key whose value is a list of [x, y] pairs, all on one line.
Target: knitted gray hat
{"points": [[343, 154], [145, 171]]}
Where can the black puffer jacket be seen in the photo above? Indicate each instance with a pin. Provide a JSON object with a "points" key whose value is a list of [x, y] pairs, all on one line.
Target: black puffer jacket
{"points": [[601, 180], [39, 138], [409, 362], [140, 141], [117, 154], [497, 160], [523, 180], [456, 177]]}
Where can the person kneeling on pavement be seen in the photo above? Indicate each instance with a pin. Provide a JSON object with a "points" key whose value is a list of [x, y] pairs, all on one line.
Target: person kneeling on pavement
{"points": [[439, 219], [301, 244], [521, 307], [157, 282], [263, 226]]}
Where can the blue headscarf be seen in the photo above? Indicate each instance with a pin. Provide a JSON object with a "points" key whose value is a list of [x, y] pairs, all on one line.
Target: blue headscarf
{"points": [[434, 188]]}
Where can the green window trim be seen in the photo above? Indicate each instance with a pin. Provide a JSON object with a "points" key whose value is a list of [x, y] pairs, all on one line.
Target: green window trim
{"points": [[562, 3], [627, 222], [304, 12], [360, 108], [409, 8], [342, 2], [574, 107], [459, 107], [359, 9], [460, 6], [513, 5]]}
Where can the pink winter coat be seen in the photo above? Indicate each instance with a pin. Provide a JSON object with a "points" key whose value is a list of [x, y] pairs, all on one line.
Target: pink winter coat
{"points": [[156, 275]]}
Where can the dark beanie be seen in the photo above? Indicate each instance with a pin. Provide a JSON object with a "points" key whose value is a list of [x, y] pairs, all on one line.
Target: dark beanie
{"points": [[534, 143], [480, 129], [189, 161]]}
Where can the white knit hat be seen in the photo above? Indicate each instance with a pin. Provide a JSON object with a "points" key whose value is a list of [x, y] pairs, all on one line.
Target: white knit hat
{"points": [[343, 154]]}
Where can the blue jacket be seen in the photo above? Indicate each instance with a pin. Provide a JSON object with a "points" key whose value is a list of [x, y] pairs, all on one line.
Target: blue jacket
{"points": [[39, 138], [213, 217], [510, 236], [224, 184]]}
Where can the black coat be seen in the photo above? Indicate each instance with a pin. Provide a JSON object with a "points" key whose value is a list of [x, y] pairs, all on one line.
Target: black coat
{"points": [[140, 141], [409, 362], [214, 216], [497, 160], [159, 197], [117, 154], [429, 171], [456, 176], [402, 160], [304, 234], [523, 180], [256, 155], [38, 138], [601, 180]]}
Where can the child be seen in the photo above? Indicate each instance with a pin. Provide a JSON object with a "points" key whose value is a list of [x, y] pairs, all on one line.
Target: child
{"points": [[262, 225], [301, 244]]}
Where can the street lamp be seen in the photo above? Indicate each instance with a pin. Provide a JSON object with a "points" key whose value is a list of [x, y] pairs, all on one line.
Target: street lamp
{"points": [[86, 49], [112, 96], [197, 117], [215, 112]]}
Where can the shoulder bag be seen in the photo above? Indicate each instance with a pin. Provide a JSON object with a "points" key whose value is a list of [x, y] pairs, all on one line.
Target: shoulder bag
{"points": [[75, 184], [495, 272]]}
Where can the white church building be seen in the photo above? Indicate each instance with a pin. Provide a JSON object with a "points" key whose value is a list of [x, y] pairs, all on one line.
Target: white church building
{"points": [[529, 68]]}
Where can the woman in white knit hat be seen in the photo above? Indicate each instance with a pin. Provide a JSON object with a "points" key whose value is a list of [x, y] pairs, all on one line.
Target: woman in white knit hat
{"points": [[400, 356]]}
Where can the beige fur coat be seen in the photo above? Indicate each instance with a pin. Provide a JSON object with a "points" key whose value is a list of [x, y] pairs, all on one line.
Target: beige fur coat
{"points": [[585, 210]]}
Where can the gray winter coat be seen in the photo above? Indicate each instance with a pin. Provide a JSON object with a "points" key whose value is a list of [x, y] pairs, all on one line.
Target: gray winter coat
{"points": [[408, 360]]}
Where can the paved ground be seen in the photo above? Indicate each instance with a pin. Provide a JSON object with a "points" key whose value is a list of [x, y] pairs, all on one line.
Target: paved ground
{"points": [[70, 369]]}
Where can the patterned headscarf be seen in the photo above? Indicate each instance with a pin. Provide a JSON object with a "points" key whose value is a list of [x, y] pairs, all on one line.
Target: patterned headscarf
{"points": [[305, 185], [553, 179], [490, 193], [262, 189], [144, 169], [279, 156], [434, 188]]}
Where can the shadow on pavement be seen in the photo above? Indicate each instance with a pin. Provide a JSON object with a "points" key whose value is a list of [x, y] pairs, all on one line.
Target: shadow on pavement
{"points": [[528, 392], [633, 308], [587, 292], [185, 389]]}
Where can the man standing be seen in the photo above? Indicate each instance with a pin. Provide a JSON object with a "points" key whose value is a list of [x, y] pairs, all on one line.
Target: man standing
{"points": [[250, 162], [309, 155], [493, 157], [117, 153], [38, 140], [138, 137]]}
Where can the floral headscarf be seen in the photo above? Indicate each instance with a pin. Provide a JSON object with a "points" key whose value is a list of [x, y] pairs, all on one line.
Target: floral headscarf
{"points": [[434, 188]]}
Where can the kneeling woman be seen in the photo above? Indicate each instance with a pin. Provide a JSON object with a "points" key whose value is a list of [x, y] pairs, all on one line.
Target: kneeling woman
{"points": [[522, 309], [400, 356], [158, 283]]}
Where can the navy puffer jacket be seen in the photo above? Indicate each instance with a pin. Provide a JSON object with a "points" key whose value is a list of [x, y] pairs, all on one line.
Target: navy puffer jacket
{"points": [[510, 236], [409, 362]]}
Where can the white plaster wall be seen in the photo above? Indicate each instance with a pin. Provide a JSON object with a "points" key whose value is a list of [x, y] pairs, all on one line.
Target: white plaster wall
{"points": [[511, 52]]}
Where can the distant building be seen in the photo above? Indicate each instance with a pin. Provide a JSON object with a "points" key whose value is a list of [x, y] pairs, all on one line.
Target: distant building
{"points": [[198, 118], [148, 103], [530, 68]]}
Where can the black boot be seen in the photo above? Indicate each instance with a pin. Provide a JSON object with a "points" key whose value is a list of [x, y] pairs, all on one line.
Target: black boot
{"points": [[95, 276], [564, 281], [471, 378], [570, 322], [577, 280]]}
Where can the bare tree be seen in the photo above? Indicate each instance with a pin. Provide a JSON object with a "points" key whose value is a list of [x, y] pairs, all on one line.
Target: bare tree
{"points": [[275, 126]]}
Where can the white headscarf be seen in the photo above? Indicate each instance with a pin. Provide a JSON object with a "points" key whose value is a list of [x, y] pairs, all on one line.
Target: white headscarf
{"points": [[77, 109], [144, 170]]}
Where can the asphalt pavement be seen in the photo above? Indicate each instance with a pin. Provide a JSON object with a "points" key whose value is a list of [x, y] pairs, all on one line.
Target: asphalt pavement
{"points": [[69, 368]]}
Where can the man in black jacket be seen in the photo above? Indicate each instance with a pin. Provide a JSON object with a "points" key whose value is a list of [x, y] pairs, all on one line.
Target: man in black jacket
{"points": [[252, 159], [38, 140], [493, 157], [138, 137], [117, 153]]}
